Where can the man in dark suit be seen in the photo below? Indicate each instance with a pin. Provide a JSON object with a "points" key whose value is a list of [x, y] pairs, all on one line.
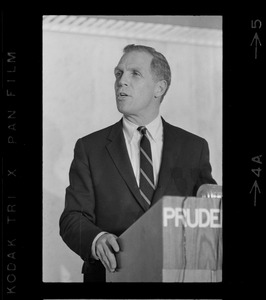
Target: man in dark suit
{"points": [[118, 172]]}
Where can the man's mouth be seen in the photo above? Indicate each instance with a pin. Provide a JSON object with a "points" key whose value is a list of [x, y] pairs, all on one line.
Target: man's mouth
{"points": [[122, 95]]}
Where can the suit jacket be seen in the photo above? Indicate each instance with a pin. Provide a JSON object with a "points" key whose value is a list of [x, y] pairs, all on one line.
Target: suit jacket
{"points": [[103, 194]]}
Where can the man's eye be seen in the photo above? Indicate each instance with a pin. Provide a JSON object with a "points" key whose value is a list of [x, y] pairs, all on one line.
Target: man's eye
{"points": [[117, 74], [135, 73]]}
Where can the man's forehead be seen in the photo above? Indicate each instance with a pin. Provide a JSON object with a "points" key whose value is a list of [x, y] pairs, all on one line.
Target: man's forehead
{"points": [[138, 59]]}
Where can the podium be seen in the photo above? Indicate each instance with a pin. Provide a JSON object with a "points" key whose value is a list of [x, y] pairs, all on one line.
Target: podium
{"points": [[179, 239]]}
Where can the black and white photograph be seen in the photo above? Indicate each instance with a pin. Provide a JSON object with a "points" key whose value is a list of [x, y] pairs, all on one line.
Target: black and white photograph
{"points": [[100, 97], [132, 156]]}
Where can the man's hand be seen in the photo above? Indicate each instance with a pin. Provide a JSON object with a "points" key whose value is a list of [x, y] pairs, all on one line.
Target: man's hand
{"points": [[105, 248]]}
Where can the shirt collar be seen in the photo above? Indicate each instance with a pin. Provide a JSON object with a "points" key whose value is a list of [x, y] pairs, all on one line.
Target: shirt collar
{"points": [[154, 128]]}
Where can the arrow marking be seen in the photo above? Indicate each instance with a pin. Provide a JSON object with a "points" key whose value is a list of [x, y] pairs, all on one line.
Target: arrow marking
{"points": [[255, 187], [257, 40]]}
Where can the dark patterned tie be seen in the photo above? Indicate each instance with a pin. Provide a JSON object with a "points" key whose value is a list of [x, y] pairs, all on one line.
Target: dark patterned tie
{"points": [[146, 181]]}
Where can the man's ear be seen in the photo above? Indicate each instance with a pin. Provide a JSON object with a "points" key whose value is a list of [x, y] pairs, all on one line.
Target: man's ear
{"points": [[160, 89]]}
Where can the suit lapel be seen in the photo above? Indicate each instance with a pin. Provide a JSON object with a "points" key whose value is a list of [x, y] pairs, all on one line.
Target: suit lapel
{"points": [[171, 150], [118, 152]]}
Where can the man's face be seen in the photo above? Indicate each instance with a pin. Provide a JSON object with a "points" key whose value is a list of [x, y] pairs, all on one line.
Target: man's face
{"points": [[134, 84]]}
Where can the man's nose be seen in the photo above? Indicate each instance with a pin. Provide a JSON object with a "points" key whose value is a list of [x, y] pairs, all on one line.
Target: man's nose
{"points": [[123, 80]]}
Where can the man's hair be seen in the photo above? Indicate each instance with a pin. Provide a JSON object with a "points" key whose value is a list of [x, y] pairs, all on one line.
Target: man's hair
{"points": [[159, 65]]}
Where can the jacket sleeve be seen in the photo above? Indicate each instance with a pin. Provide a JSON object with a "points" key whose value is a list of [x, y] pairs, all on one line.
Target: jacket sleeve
{"points": [[77, 222], [205, 169]]}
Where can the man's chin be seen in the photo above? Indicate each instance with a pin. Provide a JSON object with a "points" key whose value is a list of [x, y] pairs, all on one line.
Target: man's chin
{"points": [[121, 108]]}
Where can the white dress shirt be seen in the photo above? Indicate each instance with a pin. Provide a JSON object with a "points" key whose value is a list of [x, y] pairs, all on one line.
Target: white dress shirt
{"points": [[132, 139]]}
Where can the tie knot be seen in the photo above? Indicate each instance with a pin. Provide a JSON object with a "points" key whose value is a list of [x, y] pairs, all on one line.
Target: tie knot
{"points": [[142, 130]]}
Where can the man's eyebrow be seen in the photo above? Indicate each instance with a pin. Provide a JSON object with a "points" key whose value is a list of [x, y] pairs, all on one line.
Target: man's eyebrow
{"points": [[117, 69], [136, 68]]}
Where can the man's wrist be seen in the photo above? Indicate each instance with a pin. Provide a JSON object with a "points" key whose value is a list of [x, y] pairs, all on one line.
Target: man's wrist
{"points": [[93, 246]]}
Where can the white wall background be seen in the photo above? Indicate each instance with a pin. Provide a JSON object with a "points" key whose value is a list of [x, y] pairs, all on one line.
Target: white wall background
{"points": [[78, 98]]}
